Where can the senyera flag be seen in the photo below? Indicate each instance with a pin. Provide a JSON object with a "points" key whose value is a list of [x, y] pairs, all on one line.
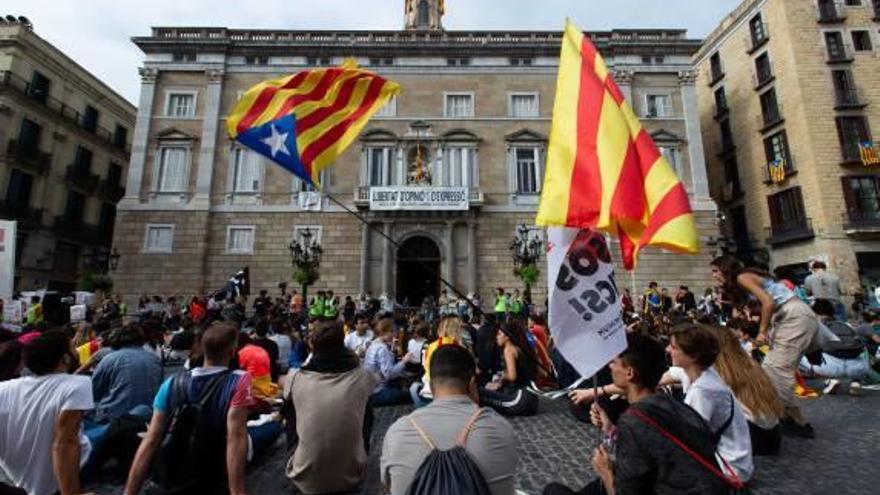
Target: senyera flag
{"points": [[304, 121], [604, 171]]}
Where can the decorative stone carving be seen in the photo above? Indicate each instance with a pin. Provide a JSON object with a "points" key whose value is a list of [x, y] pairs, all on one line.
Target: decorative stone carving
{"points": [[215, 76], [687, 78], [148, 75], [624, 77]]}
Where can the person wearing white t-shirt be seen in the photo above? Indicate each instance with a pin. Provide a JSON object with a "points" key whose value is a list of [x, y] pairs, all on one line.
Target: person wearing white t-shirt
{"points": [[359, 340], [42, 446], [693, 349]]}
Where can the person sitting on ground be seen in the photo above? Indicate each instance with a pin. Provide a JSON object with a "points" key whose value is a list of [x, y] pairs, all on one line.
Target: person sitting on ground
{"points": [[508, 393], [257, 363], [216, 460], [281, 337], [448, 333], [380, 360], [416, 348], [841, 360], [329, 420], [359, 340], [646, 460], [693, 349], [261, 339], [42, 445], [489, 442]]}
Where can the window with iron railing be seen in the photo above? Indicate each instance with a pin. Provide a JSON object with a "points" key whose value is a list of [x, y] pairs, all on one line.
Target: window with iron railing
{"points": [[29, 138], [716, 68], [788, 217], [73, 211], [837, 49], [721, 107], [83, 161], [18, 192], [851, 131], [862, 196], [114, 174], [90, 118], [830, 11], [38, 88], [845, 91], [726, 136], [770, 112], [120, 136], [763, 69], [862, 41], [758, 31]]}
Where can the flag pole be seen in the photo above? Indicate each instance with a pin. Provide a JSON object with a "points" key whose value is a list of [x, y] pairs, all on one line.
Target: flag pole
{"points": [[419, 261]]}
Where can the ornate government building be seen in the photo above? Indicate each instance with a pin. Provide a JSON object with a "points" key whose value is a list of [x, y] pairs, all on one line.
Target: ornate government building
{"points": [[449, 169]]}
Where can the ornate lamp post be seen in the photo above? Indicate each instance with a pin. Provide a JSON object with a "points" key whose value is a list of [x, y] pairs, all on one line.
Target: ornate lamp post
{"points": [[305, 255], [526, 252], [114, 260]]}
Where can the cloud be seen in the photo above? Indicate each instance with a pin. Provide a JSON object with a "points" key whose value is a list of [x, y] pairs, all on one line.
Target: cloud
{"points": [[96, 33]]}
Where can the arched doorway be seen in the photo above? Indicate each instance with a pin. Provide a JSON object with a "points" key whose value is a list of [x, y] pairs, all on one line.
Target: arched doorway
{"points": [[418, 270]]}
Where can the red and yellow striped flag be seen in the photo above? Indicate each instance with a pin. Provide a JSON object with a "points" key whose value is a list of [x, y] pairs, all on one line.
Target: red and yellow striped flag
{"points": [[305, 121], [603, 169]]}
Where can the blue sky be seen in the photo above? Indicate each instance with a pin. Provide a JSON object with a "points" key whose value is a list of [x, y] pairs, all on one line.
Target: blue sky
{"points": [[96, 33]]}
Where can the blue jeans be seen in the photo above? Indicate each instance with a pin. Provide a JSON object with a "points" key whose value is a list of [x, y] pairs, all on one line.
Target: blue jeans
{"points": [[97, 434], [417, 399], [262, 437], [389, 396]]}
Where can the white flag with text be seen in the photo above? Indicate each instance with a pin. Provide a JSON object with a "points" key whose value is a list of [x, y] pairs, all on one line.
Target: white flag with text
{"points": [[585, 313]]}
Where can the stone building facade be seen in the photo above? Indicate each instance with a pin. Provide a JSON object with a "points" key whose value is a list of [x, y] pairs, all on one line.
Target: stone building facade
{"points": [[794, 84], [464, 143], [64, 146]]}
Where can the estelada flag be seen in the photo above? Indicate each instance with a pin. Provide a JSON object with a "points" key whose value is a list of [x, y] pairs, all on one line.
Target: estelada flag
{"points": [[603, 169], [303, 122]]}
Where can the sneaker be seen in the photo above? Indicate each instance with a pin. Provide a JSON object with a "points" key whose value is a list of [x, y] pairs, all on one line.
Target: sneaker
{"points": [[830, 386], [791, 428], [855, 388]]}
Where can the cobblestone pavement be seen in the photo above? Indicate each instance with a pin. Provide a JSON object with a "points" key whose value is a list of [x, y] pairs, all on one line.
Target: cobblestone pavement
{"points": [[554, 447]]}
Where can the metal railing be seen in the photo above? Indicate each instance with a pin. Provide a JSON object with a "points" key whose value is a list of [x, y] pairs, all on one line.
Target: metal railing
{"points": [[770, 117], [757, 37], [797, 229], [34, 160], [855, 219], [789, 170], [111, 191], [831, 12], [848, 97], [12, 81], [27, 216], [81, 177], [762, 77], [839, 53]]}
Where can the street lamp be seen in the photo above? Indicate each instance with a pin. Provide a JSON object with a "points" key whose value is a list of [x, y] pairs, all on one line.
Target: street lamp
{"points": [[96, 259], [305, 255], [526, 251], [114, 260]]}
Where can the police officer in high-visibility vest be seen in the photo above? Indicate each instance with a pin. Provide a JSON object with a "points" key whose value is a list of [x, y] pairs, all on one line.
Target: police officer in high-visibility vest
{"points": [[331, 306], [516, 303], [501, 305], [34, 315], [316, 309]]}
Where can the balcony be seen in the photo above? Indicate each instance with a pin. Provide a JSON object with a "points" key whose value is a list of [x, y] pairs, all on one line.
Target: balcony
{"points": [[721, 111], [111, 191], [861, 224], [848, 98], [758, 37], [34, 160], [799, 229], [831, 12], [840, 54], [10, 81], [851, 154], [76, 229], [762, 78], [417, 198], [731, 191], [28, 218], [789, 169], [769, 118], [81, 178]]}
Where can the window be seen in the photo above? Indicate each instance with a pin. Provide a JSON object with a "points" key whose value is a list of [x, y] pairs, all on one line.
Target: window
{"points": [[18, 192], [240, 239], [458, 61], [379, 61], [851, 131], [302, 186], [74, 209], [528, 170], [181, 105], [520, 61], [171, 176], [646, 59], [835, 46], [763, 70], [256, 60], [852, 3], [459, 105], [758, 30], [862, 195], [862, 41], [380, 166], [844, 88], [120, 136], [726, 136], [38, 88], [389, 109], [107, 220], [776, 148], [731, 175], [739, 226], [787, 213], [83, 160], [158, 238], [715, 64], [318, 61], [246, 171], [114, 174], [770, 107], [659, 59], [90, 118], [29, 137], [829, 11], [458, 166], [524, 105], [423, 15], [657, 106], [721, 102], [671, 153]]}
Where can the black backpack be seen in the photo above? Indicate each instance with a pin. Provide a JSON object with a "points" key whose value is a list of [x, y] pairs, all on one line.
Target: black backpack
{"points": [[850, 345], [449, 472], [191, 457]]}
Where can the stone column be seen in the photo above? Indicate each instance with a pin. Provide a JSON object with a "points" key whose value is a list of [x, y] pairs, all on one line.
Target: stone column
{"points": [[386, 260], [365, 258], [139, 139], [210, 123], [449, 266], [472, 256], [624, 80], [699, 180]]}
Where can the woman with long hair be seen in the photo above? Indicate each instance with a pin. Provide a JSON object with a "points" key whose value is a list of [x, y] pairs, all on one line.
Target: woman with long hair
{"points": [[508, 394], [448, 333], [753, 391], [787, 324]]}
